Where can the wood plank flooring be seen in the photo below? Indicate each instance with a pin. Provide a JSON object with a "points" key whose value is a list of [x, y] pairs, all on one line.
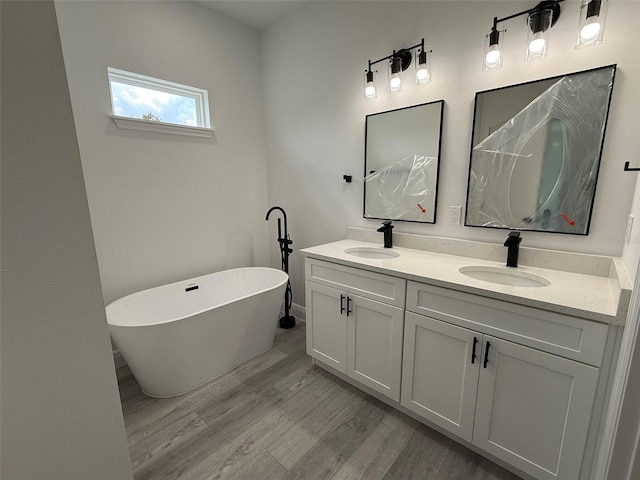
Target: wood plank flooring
{"points": [[279, 417]]}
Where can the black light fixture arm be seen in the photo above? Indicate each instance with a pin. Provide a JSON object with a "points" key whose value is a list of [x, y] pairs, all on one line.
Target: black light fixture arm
{"points": [[403, 54], [545, 4]]}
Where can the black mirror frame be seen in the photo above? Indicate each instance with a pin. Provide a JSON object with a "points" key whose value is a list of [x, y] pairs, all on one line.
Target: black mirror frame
{"points": [[473, 125], [364, 194]]}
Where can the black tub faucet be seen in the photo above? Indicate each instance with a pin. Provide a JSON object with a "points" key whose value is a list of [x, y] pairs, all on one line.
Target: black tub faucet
{"points": [[513, 245], [387, 228]]}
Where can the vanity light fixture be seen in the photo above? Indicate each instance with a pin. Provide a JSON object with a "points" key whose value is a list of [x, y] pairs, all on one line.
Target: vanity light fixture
{"points": [[540, 19], [593, 14], [397, 63]]}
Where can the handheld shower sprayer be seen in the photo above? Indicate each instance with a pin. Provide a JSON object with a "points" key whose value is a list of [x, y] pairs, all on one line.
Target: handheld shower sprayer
{"points": [[288, 321]]}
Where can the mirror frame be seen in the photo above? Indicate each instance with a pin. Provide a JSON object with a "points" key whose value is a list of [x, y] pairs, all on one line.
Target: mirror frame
{"points": [[613, 67], [435, 202]]}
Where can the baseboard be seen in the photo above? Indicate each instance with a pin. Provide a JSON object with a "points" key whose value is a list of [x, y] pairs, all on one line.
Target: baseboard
{"points": [[118, 359], [297, 311]]}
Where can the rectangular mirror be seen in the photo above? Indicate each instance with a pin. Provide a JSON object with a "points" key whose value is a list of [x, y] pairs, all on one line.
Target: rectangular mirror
{"points": [[401, 163], [535, 153]]}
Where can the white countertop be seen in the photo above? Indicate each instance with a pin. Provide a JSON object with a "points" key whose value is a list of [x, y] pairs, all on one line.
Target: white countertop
{"points": [[597, 298]]}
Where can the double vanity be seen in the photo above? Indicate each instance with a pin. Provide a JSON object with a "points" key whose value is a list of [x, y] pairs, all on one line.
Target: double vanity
{"points": [[515, 363], [508, 351]]}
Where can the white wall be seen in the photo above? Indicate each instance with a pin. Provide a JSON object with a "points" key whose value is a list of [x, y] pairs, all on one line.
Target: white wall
{"points": [[313, 64], [628, 432], [164, 207], [61, 414], [631, 251]]}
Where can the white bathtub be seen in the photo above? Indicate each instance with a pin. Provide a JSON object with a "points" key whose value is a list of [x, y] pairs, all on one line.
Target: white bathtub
{"points": [[179, 336]]}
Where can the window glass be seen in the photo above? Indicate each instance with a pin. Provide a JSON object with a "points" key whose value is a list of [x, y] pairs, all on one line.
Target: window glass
{"points": [[146, 98]]}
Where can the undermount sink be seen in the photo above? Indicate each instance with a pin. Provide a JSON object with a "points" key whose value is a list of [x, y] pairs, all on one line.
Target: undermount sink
{"points": [[504, 276], [371, 252]]}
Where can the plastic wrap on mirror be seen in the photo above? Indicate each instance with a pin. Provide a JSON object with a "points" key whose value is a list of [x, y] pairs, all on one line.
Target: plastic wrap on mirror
{"points": [[405, 190], [538, 171]]}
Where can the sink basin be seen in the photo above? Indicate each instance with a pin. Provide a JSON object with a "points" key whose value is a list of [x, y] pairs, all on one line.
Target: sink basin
{"points": [[372, 252], [504, 276]]}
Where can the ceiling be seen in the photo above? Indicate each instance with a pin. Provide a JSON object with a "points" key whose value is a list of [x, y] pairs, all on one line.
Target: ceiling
{"points": [[257, 14]]}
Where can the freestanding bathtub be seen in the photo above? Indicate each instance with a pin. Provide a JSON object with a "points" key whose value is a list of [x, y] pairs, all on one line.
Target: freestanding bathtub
{"points": [[179, 336]]}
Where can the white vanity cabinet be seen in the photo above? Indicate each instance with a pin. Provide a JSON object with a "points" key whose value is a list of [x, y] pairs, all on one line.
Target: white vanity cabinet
{"points": [[534, 409], [355, 323], [522, 375], [440, 373], [517, 382]]}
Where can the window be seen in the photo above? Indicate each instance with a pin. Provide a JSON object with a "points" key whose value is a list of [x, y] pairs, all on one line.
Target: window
{"points": [[145, 103]]}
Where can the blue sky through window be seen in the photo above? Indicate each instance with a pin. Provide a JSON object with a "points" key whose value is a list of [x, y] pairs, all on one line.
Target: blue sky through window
{"points": [[134, 102]]}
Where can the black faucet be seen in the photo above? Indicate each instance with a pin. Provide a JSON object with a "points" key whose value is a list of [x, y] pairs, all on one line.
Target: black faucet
{"points": [[288, 321], [386, 228], [513, 245]]}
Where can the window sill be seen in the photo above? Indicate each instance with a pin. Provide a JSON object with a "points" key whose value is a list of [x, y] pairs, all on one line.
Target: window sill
{"points": [[126, 123]]}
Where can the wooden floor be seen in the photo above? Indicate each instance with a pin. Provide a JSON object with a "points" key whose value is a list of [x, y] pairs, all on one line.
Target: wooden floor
{"points": [[280, 417]]}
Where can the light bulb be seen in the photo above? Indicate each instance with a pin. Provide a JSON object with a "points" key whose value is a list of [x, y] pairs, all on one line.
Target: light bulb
{"points": [[492, 52], [422, 75], [369, 86], [422, 67], [593, 16], [537, 44], [493, 56], [370, 90], [590, 32], [394, 83], [540, 22]]}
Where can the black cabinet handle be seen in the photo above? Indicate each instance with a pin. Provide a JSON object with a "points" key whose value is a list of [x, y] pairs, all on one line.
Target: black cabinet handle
{"points": [[341, 304], [486, 355], [348, 306], [473, 352]]}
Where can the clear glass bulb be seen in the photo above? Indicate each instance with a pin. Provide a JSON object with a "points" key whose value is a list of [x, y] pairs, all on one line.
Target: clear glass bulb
{"points": [[537, 44], [370, 90], [422, 75], [590, 32], [593, 16], [394, 83], [493, 56], [423, 66], [492, 51], [539, 23]]}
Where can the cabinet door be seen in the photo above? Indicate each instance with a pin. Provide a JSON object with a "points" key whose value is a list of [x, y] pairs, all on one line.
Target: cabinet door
{"points": [[374, 345], [326, 325], [440, 373], [534, 409]]}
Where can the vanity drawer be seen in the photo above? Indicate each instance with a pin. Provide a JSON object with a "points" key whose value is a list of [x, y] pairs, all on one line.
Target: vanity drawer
{"points": [[563, 335], [375, 286]]}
